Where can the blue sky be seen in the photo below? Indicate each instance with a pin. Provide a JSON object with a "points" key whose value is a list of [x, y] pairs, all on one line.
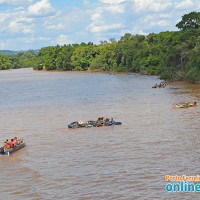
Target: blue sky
{"points": [[32, 24]]}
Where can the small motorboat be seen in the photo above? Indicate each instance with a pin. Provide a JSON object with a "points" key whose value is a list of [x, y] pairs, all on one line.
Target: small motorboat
{"points": [[14, 149]]}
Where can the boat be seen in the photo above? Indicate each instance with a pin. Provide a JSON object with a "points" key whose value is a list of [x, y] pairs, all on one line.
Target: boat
{"points": [[157, 86], [181, 106], [92, 123], [185, 105], [12, 150]]}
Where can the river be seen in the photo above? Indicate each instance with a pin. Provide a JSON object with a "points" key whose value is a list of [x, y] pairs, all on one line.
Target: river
{"points": [[116, 163]]}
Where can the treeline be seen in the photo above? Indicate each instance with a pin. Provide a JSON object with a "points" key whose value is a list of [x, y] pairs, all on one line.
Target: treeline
{"points": [[171, 55]]}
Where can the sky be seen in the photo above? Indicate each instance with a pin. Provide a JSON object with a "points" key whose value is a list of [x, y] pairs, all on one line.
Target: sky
{"points": [[33, 24]]}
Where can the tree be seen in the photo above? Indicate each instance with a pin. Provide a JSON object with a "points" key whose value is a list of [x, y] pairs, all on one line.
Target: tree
{"points": [[189, 21]]}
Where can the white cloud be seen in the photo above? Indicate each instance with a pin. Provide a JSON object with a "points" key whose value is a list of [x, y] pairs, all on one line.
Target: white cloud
{"points": [[44, 38], [24, 20], [16, 27], [86, 2], [140, 32], [151, 5], [104, 28], [14, 2], [63, 39], [2, 45], [41, 8], [115, 8], [29, 40], [59, 26], [112, 1], [4, 17], [184, 4], [163, 23], [97, 16], [165, 15]]}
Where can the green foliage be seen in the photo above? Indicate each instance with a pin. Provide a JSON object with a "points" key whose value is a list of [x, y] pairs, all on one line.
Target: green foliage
{"points": [[5, 62], [172, 55], [189, 21]]}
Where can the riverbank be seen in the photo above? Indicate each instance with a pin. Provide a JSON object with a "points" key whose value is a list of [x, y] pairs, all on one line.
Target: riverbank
{"points": [[17, 70]]}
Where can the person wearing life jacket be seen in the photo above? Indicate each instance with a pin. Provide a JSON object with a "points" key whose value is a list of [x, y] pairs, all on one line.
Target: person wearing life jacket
{"points": [[11, 143], [15, 141], [7, 145], [112, 121]]}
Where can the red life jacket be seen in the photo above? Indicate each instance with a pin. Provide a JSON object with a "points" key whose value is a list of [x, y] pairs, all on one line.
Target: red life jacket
{"points": [[11, 144]]}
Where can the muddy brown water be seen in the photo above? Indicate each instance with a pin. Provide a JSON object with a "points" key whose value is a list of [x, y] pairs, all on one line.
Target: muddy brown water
{"points": [[119, 162]]}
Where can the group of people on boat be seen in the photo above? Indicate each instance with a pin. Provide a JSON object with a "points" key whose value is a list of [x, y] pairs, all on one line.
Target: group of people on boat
{"points": [[101, 121], [186, 105], [160, 85], [9, 145]]}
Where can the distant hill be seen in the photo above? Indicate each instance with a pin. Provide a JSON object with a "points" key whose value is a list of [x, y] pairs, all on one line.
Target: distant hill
{"points": [[7, 52]]}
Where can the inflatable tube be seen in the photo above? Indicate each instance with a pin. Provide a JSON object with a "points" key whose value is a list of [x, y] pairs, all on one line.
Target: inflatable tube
{"points": [[117, 123], [108, 124]]}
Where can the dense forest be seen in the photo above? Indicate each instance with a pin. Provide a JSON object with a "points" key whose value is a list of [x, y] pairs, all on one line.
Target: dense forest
{"points": [[171, 55]]}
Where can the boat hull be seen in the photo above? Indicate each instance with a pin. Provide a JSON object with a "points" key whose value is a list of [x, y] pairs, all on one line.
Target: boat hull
{"points": [[13, 149], [158, 87], [181, 106]]}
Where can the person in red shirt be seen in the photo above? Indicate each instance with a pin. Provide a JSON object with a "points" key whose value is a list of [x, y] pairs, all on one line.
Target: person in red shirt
{"points": [[11, 143]]}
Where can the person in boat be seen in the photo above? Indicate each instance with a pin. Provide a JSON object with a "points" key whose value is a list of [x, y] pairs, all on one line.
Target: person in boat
{"points": [[112, 121], [98, 123], [176, 105], [15, 141], [7, 146], [101, 119], [186, 103], [106, 120], [193, 104], [80, 122], [11, 143]]}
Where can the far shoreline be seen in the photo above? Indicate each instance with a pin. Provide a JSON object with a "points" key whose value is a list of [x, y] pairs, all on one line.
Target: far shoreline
{"points": [[17, 70], [87, 71]]}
